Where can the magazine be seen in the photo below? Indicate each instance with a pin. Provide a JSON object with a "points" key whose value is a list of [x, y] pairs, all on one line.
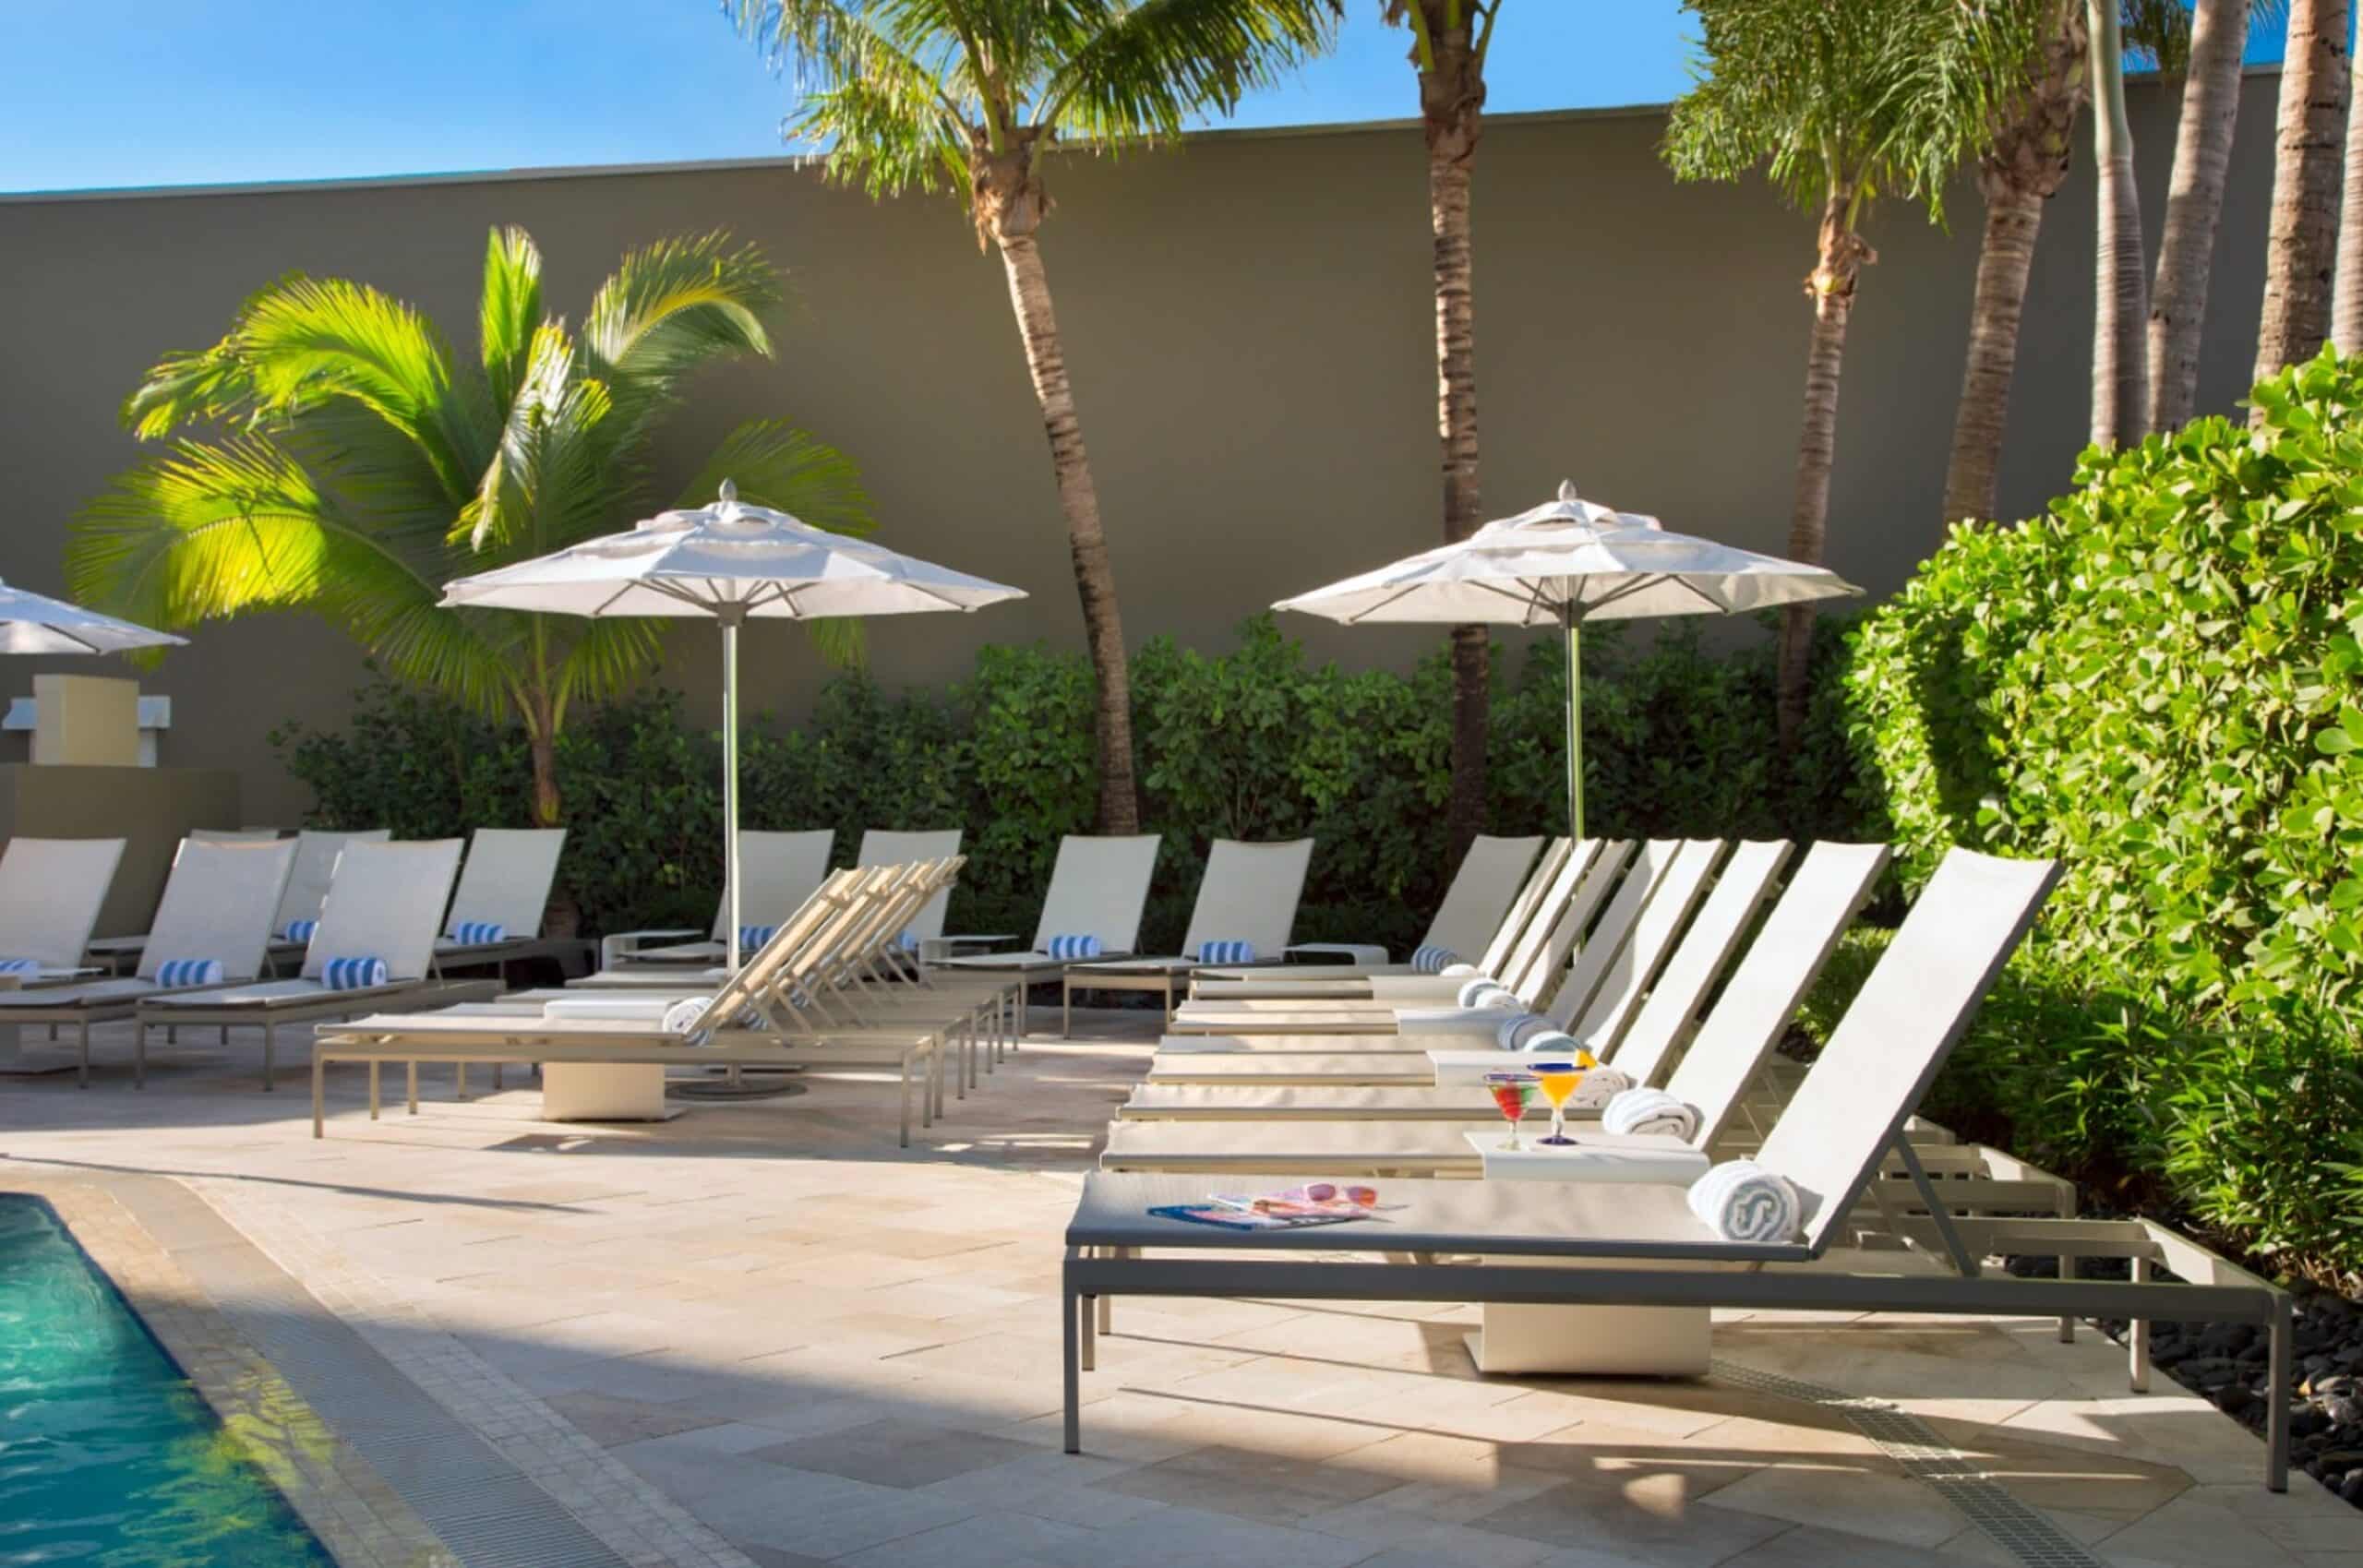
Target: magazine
{"points": [[1295, 1209]]}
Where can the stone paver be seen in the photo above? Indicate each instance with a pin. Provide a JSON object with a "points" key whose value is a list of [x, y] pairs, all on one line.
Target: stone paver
{"points": [[761, 1335]]}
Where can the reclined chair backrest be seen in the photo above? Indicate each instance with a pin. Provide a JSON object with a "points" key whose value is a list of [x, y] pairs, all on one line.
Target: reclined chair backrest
{"points": [[1917, 1000], [1249, 894], [1098, 888], [218, 904], [51, 889], [1664, 1020], [1521, 910], [1609, 945], [776, 873], [506, 879], [881, 846], [1490, 877], [385, 901], [307, 885], [1568, 904]]}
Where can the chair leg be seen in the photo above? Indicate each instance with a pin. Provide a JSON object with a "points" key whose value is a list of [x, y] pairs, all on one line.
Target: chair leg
{"points": [[2137, 1337], [1071, 1365], [269, 1053], [1066, 1009], [319, 1095], [2276, 1398], [374, 1066], [82, 1075], [139, 1056], [411, 1069]]}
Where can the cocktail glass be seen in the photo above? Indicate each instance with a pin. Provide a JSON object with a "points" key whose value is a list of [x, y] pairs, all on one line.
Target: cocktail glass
{"points": [[1557, 1080], [1511, 1091]]}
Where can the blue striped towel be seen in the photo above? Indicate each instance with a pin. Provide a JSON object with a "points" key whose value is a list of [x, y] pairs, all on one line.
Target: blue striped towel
{"points": [[1515, 1033], [174, 973], [1650, 1110], [1472, 990], [1741, 1201], [751, 937], [299, 930], [1084, 945], [19, 966], [1433, 960], [354, 974], [478, 933], [1218, 952]]}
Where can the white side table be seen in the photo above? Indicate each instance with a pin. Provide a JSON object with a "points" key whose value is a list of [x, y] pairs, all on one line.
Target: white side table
{"points": [[1595, 1341]]}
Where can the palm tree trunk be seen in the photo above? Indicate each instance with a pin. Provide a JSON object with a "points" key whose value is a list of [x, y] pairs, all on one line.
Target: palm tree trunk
{"points": [[541, 747], [2303, 238], [2211, 110], [1095, 580], [1842, 257], [2013, 218], [2017, 174], [2346, 283], [2120, 362], [1452, 103]]}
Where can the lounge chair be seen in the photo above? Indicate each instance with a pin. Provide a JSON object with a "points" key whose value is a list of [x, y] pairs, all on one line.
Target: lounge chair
{"points": [[51, 889], [1469, 921], [384, 904], [1641, 1245], [1796, 939], [212, 927], [1245, 907], [1568, 967], [504, 891], [1689, 968], [856, 913], [1098, 888], [885, 847], [776, 873]]}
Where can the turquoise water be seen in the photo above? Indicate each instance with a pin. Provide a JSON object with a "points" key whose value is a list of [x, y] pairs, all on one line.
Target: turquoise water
{"points": [[108, 1456]]}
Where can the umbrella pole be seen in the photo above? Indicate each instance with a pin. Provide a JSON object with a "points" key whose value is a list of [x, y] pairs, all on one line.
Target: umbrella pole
{"points": [[1575, 722], [731, 615]]}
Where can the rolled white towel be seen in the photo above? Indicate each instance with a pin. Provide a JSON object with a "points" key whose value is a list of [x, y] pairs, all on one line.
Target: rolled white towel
{"points": [[1744, 1201], [1474, 986], [1521, 1031], [1601, 1086], [1461, 972], [681, 1018], [1650, 1110]]}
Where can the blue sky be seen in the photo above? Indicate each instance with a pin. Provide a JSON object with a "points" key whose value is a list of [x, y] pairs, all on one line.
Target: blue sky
{"points": [[209, 92], [216, 91]]}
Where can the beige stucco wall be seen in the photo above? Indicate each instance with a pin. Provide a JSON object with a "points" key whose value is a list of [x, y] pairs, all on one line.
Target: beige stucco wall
{"points": [[1248, 325]]}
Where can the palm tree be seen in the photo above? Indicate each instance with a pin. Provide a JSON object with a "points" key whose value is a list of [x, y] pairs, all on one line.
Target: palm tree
{"points": [[350, 463], [2303, 239], [1449, 40], [2019, 169], [1839, 103], [2120, 285], [2211, 104], [966, 96], [2346, 283]]}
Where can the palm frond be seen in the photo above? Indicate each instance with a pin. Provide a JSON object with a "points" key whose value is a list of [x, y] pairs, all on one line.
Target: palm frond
{"points": [[1143, 69], [511, 311], [205, 385], [553, 478], [774, 464], [603, 657], [678, 305], [894, 110]]}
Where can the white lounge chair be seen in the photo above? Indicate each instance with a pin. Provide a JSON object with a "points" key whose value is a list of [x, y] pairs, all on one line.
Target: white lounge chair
{"points": [[1098, 888], [385, 902], [504, 893], [886, 847], [307, 887], [1468, 922], [1641, 1245], [212, 927], [1246, 909], [777, 871], [51, 891]]}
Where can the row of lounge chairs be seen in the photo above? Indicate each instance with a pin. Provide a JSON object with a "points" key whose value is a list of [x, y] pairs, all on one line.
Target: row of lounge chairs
{"points": [[1679, 965]]}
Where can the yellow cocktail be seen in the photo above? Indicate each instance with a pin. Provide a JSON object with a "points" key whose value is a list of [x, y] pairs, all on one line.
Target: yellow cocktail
{"points": [[1557, 1080]]}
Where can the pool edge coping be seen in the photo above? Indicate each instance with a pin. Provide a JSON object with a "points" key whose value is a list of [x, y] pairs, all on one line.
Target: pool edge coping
{"points": [[359, 1519]]}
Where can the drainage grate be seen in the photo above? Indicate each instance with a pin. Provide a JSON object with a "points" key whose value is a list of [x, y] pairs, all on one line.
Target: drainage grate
{"points": [[2020, 1530], [486, 1510]]}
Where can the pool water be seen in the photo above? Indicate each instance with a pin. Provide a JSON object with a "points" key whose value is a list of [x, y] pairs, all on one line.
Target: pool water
{"points": [[109, 1458]]}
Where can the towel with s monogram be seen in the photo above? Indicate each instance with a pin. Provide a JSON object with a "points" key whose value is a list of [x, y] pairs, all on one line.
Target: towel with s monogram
{"points": [[1744, 1201]]}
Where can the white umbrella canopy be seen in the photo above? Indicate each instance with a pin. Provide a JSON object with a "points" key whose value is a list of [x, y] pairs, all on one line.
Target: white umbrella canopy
{"points": [[1562, 563], [727, 562], [33, 623]]}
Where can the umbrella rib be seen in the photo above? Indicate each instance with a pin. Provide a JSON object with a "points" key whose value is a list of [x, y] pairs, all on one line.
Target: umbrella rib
{"points": [[1626, 589], [1720, 608], [609, 603], [86, 647], [1360, 615]]}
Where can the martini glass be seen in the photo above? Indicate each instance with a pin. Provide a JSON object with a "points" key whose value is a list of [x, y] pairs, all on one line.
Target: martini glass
{"points": [[1511, 1091], [1557, 1080]]}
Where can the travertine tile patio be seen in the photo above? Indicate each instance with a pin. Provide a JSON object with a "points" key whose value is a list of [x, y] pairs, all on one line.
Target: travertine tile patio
{"points": [[762, 1334]]}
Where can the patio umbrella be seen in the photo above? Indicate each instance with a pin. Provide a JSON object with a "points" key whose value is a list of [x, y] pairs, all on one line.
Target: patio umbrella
{"points": [[1565, 563], [727, 562], [33, 623]]}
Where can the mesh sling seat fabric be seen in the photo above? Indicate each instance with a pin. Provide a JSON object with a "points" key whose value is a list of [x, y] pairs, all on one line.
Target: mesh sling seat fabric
{"points": [[1244, 911], [777, 871], [503, 893]]}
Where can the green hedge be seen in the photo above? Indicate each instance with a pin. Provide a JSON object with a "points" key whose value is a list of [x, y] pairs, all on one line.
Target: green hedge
{"points": [[2160, 682], [1254, 743]]}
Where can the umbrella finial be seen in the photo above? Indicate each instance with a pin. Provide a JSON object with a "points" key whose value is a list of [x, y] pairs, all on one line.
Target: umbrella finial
{"points": [[1567, 491], [729, 492]]}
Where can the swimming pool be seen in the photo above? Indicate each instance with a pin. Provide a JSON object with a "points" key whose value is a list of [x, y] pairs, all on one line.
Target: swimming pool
{"points": [[109, 1458]]}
